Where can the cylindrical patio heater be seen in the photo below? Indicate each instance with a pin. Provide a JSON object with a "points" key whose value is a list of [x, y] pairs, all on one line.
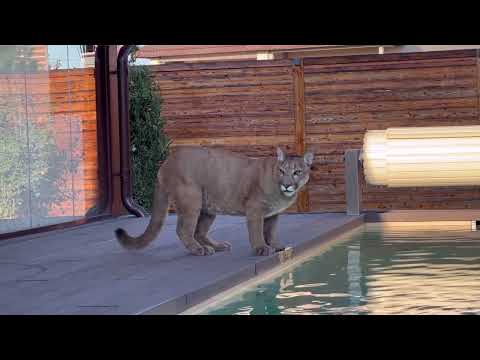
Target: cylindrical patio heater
{"points": [[422, 156]]}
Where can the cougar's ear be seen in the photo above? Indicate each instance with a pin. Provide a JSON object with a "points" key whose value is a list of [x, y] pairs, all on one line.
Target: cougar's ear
{"points": [[280, 154], [308, 158]]}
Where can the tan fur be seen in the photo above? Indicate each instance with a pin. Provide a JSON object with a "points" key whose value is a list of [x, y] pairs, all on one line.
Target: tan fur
{"points": [[204, 182]]}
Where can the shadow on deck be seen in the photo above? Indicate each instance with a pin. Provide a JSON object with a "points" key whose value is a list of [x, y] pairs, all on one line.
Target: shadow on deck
{"points": [[85, 271]]}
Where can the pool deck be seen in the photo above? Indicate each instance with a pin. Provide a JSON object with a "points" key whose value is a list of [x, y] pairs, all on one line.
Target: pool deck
{"points": [[84, 270]]}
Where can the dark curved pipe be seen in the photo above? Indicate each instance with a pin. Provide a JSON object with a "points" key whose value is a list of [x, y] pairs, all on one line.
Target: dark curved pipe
{"points": [[123, 105], [104, 203]]}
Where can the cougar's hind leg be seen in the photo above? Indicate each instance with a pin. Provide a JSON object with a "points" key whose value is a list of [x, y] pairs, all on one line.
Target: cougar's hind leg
{"points": [[205, 221], [188, 203]]}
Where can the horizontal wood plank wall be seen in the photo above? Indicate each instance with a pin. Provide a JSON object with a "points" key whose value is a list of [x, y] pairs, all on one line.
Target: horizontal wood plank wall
{"points": [[243, 106], [346, 96], [64, 102], [251, 106]]}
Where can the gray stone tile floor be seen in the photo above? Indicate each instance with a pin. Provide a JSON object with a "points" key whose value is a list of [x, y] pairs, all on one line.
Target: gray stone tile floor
{"points": [[84, 270]]}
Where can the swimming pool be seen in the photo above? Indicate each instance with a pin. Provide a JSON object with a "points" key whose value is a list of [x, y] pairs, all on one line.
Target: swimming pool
{"points": [[377, 269]]}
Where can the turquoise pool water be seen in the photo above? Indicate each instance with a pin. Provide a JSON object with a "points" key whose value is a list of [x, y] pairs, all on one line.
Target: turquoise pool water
{"points": [[378, 269]]}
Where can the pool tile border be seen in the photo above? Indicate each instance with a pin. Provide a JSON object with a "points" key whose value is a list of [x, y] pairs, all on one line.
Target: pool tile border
{"points": [[182, 303], [198, 296]]}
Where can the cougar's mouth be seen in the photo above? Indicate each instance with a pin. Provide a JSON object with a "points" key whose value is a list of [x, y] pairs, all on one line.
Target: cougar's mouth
{"points": [[287, 190]]}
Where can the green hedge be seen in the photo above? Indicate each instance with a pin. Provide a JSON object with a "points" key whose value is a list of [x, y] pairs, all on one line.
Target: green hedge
{"points": [[42, 181], [149, 144]]}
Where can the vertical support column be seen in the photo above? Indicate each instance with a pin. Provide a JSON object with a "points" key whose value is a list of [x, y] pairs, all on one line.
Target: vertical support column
{"points": [[104, 201], [117, 205], [353, 191], [299, 113], [478, 91], [478, 82]]}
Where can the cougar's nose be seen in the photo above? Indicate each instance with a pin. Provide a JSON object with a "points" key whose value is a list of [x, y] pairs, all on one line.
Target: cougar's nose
{"points": [[287, 188]]}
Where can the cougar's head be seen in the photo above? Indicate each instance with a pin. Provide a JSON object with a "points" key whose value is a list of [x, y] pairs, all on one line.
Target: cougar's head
{"points": [[293, 172]]}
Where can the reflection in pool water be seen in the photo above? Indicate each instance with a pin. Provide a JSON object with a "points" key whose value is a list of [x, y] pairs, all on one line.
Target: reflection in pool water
{"points": [[381, 269]]}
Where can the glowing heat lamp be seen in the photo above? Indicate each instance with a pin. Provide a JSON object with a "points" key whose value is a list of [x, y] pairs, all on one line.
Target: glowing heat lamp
{"points": [[424, 156]]}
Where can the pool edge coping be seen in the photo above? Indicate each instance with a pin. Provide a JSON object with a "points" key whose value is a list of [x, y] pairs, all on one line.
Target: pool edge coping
{"points": [[182, 303]]}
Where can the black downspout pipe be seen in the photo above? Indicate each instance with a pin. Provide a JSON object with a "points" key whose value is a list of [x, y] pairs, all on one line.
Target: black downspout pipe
{"points": [[123, 105], [104, 203]]}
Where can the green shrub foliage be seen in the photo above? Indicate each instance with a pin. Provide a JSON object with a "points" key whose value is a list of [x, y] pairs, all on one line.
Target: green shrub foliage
{"points": [[149, 144]]}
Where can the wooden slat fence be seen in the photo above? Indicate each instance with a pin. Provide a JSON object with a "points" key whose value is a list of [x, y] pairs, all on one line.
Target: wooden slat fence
{"points": [[324, 105]]}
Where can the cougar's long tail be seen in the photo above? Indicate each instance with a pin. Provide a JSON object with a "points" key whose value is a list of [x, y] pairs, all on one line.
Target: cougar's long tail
{"points": [[159, 212]]}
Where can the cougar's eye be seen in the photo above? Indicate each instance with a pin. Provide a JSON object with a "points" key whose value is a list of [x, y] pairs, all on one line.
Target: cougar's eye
{"points": [[297, 173], [282, 172]]}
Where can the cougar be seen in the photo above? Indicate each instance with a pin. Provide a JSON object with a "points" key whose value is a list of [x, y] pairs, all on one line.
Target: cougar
{"points": [[204, 182]]}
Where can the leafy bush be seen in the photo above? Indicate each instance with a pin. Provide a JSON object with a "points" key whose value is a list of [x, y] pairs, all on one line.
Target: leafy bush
{"points": [[42, 178], [149, 144]]}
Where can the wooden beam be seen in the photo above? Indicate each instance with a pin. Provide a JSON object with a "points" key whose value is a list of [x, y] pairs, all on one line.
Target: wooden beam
{"points": [[402, 216], [299, 110], [353, 191], [478, 82], [117, 205], [375, 58]]}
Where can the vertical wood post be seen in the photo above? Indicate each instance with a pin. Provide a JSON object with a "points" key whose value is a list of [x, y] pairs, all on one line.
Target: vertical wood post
{"points": [[117, 205], [478, 82], [299, 113], [353, 191]]}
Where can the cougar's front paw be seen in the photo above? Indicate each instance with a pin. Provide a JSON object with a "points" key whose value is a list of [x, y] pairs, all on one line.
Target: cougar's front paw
{"points": [[216, 245], [264, 250], [201, 250], [278, 247], [208, 250]]}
